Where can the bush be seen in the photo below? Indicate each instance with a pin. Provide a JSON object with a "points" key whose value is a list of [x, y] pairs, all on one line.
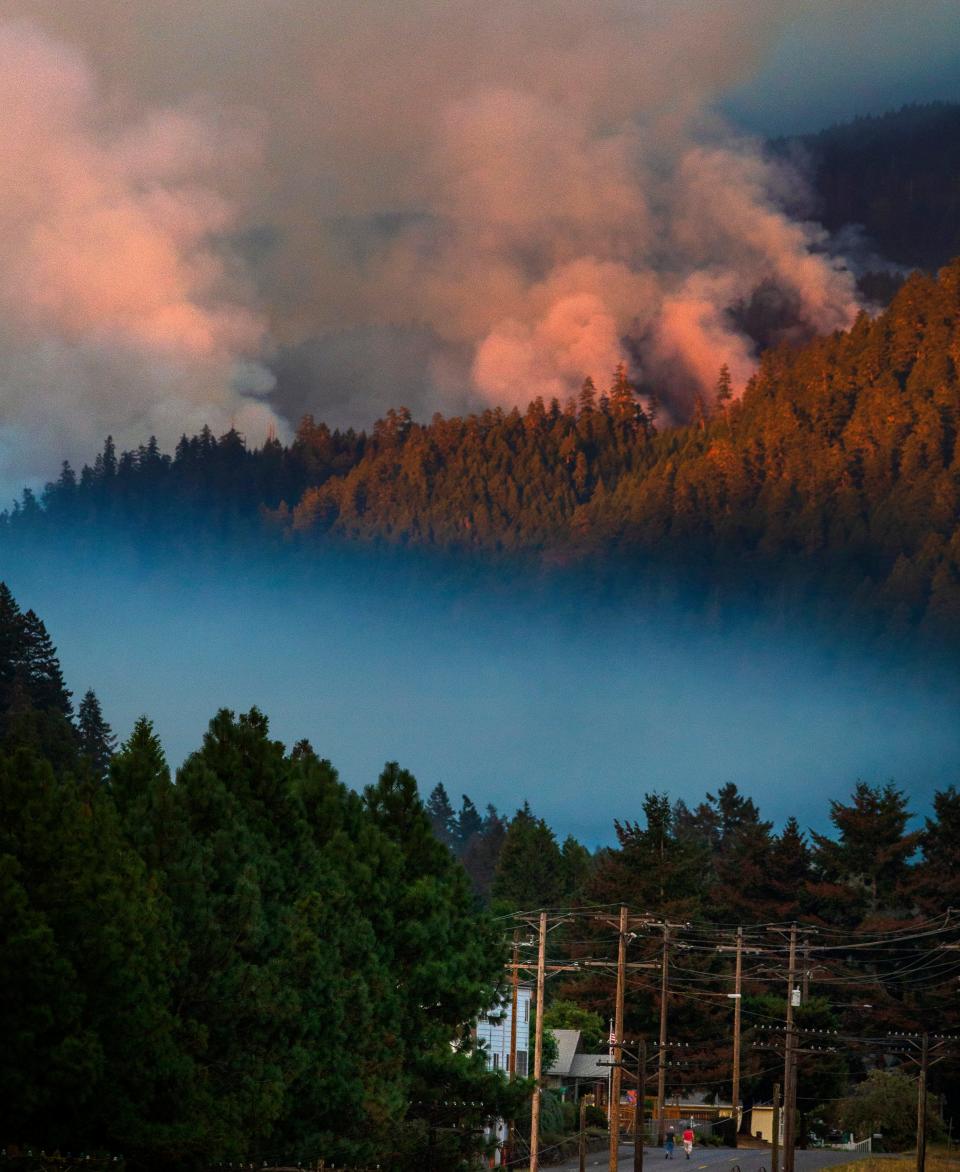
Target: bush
{"points": [[887, 1103], [596, 1117], [551, 1114]]}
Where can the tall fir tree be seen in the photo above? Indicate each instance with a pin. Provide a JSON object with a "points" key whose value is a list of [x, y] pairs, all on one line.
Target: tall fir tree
{"points": [[441, 814], [97, 741]]}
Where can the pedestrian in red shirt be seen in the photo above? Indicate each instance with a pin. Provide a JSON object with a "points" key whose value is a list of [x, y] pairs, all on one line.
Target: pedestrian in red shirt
{"points": [[688, 1141]]}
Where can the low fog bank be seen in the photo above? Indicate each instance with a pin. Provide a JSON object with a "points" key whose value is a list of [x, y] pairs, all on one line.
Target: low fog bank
{"points": [[509, 694]]}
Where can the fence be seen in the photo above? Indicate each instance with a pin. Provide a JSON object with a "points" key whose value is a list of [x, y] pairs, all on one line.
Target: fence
{"points": [[863, 1146], [701, 1127]]}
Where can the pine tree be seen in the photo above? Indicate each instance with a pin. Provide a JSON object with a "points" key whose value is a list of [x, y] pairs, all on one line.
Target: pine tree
{"points": [[102, 1068], [469, 823], [442, 817], [481, 854], [587, 399], [11, 646], [723, 389], [43, 677], [97, 742], [871, 853], [447, 961], [936, 878], [622, 395], [530, 872]]}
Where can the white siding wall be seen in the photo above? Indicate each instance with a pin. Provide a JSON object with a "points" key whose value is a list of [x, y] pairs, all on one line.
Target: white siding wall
{"points": [[495, 1034]]}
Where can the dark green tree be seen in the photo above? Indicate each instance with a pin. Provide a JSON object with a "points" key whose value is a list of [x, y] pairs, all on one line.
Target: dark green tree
{"points": [[530, 871], [469, 823], [97, 742], [442, 818], [448, 962]]}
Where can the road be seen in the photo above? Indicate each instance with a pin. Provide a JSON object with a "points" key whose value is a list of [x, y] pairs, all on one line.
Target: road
{"points": [[712, 1159]]}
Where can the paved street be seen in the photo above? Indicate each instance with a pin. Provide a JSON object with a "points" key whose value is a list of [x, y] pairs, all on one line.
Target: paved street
{"points": [[717, 1159]]}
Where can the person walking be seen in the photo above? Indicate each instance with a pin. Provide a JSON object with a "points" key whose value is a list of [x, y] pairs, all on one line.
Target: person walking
{"points": [[688, 1141], [668, 1144]]}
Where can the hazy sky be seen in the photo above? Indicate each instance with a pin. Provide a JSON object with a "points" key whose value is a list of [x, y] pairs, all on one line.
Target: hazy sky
{"points": [[579, 709], [851, 61], [232, 211]]}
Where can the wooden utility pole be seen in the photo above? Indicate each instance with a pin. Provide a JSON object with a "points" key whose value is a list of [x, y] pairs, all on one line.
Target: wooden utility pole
{"points": [[538, 1049], [775, 1124], [662, 1053], [790, 1064], [583, 1133], [639, 1117], [617, 1043], [514, 1006], [514, 1003], [735, 1091], [922, 1104]]}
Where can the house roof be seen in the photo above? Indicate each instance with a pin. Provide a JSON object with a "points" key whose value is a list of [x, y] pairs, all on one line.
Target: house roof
{"points": [[588, 1066], [568, 1041]]}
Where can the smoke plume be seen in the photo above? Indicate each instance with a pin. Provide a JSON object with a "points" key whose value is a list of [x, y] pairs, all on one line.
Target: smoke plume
{"points": [[443, 205]]}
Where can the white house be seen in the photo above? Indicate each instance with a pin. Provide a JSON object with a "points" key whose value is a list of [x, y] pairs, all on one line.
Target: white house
{"points": [[493, 1031]]}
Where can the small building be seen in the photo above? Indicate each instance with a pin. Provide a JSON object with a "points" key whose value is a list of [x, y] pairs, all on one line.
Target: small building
{"points": [[576, 1073], [761, 1122]]}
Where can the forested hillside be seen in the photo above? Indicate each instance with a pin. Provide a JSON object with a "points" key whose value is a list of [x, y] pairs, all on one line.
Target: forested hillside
{"points": [[835, 477], [897, 175]]}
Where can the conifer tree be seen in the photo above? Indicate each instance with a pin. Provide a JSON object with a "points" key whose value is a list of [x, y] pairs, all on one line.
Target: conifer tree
{"points": [[43, 677], [936, 879], [11, 645], [448, 961], [481, 854], [723, 390], [97, 742], [530, 872], [587, 399], [469, 822], [873, 847], [442, 817]]}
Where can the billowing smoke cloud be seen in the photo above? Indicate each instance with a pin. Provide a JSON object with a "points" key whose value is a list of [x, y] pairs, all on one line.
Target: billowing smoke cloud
{"points": [[438, 204], [117, 313]]}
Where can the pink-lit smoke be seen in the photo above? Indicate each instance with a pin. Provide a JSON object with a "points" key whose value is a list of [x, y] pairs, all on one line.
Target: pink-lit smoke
{"points": [[439, 204], [116, 311]]}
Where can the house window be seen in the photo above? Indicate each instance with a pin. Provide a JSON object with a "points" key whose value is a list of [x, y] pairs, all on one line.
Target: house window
{"points": [[496, 1061], [526, 1011], [521, 1064]]}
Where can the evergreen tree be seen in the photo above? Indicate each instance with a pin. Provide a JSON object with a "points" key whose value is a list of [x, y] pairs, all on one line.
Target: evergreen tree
{"points": [[442, 817], [11, 646], [97, 742], [575, 863], [530, 871], [43, 677], [469, 823], [449, 964], [791, 872], [723, 391], [870, 856], [105, 1072], [482, 852], [654, 865], [936, 879]]}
